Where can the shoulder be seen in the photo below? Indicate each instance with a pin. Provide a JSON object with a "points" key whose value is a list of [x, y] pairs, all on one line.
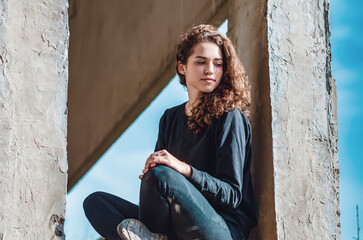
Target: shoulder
{"points": [[234, 116], [234, 120], [173, 111], [172, 115]]}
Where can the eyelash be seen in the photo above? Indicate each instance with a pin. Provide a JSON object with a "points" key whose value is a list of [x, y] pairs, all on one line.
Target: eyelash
{"points": [[219, 65]]}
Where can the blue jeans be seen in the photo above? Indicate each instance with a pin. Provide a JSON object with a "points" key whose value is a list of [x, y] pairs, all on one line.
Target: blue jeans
{"points": [[169, 204]]}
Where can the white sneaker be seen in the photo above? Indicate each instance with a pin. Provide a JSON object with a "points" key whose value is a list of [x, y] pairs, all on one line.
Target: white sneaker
{"points": [[133, 229]]}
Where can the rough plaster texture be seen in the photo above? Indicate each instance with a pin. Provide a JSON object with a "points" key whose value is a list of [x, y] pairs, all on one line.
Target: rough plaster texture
{"points": [[33, 93], [304, 120], [248, 30], [122, 54]]}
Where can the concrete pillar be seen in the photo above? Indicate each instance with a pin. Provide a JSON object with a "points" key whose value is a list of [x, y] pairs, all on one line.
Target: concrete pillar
{"points": [[285, 46], [304, 120], [33, 95], [248, 30]]}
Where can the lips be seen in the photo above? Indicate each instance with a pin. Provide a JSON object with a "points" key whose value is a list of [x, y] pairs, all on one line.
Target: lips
{"points": [[208, 79]]}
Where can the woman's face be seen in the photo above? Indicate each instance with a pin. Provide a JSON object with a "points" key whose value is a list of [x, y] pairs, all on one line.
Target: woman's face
{"points": [[204, 69]]}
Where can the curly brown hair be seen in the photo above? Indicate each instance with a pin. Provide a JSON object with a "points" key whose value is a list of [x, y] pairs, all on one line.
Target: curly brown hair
{"points": [[234, 88]]}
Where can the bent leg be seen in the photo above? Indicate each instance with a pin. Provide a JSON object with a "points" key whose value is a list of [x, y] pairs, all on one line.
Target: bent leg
{"points": [[169, 200], [105, 211]]}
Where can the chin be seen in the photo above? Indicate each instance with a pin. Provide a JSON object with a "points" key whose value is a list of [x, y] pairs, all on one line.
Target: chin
{"points": [[208, 90]]}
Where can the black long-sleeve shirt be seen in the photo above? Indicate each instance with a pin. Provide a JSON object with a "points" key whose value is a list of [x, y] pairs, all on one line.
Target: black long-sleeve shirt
{"points": [[220, 157]]}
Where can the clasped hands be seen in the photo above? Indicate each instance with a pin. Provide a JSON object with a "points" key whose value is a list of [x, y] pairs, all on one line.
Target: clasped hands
{"points": [[163, 157]]}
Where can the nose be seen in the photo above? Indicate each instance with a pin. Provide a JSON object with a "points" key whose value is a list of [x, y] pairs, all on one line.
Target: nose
{"points": [[208, 69]]}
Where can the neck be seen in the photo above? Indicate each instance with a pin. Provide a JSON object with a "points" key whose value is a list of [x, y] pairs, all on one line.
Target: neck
{"points": [[190, 105]]}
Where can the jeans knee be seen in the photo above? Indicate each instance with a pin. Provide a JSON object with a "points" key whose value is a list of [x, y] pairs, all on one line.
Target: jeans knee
{"points": [[159, 174], [159, 177], [91, 200]]}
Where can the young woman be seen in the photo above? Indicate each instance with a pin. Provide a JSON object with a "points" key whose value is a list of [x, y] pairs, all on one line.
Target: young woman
{"points": [[197, 183]]}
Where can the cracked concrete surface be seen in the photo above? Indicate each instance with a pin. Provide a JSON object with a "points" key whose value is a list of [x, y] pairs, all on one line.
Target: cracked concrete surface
{"points": [[304, 120], [33, 96]]}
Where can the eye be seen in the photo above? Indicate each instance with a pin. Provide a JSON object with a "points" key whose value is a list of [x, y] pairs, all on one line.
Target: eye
{"points": [[201, 62], [219, 64]]}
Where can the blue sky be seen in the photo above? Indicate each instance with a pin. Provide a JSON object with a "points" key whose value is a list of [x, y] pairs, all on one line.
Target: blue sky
{"points": [[347, 63], [118, 169]]}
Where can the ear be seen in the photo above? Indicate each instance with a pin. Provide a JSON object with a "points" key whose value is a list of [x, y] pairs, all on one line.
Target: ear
{"points": [[181, 67]]}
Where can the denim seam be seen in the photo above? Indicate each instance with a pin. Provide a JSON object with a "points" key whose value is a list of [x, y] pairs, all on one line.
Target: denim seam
{"points": [[216, 223]]}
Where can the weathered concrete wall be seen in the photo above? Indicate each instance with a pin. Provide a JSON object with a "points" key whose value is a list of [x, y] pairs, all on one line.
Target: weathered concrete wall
{"points": [[304, 120], [33, 93], [248, 30]]}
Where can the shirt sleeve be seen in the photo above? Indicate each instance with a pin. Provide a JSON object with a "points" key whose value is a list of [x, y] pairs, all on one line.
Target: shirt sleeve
{"points": [[225, 187], [161, 141]]}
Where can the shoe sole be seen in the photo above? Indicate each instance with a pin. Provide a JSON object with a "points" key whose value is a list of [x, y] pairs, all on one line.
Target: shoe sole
{"points": [[128, 232]]}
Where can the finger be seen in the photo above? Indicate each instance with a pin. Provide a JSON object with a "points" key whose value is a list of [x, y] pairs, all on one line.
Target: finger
{"points": [[147, 163], [160, 152], [145, 170], [141, 176], [152, 161], [164, 152], [155, 154], [148, 160]]}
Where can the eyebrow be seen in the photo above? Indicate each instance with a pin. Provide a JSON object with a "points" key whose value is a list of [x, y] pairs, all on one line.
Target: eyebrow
{"points": [[207, 58]]}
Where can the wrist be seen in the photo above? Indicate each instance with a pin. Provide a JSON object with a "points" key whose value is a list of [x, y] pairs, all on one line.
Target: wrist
{"points": [[188, 171]]}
